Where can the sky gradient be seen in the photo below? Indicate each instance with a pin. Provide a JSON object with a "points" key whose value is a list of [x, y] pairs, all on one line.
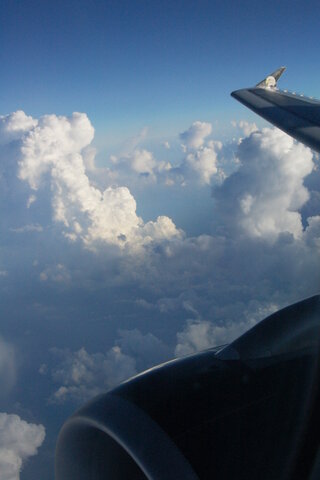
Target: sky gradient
{"points": [[130, 64]]}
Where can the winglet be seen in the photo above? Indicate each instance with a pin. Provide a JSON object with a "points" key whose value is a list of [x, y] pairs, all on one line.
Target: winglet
{"points": [[271, 80]]}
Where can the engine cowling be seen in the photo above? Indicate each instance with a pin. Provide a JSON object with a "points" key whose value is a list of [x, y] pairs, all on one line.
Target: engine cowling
{"points": [[247, 411]]}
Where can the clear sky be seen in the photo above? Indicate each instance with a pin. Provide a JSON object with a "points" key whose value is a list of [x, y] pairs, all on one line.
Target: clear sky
{"points": [[128, 64], [144, 213]]}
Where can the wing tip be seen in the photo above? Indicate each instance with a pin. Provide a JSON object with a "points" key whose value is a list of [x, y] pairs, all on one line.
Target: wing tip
{"points": [[271, 80], [237, 93]]}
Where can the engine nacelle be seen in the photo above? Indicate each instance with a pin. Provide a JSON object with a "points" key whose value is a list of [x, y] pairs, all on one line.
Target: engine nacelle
{"points": [[247, 411]]}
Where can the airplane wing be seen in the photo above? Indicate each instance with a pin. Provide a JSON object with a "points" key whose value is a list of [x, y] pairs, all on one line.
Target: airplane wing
{"points": [[297, 115]]}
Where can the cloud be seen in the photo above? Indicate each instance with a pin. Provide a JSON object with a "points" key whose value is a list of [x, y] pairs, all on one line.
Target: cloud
{"points": [[147, 350], [312, 233], [14, 125], [28, 228], [143, 162], [55, 273], [55, 144], [50, 156], [258, 204], [193, 138], [201, 162], [246, 127], [140, 162], [132, 143], [7, 367], [201, 157], [264, 196], [257, 229], [199, 165], [83, 375], [18, 441], [120, 276], [204, 162], [202, 334]]}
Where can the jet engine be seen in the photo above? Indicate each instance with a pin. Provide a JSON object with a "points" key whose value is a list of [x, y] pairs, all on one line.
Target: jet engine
{"points": [[249, 410]]}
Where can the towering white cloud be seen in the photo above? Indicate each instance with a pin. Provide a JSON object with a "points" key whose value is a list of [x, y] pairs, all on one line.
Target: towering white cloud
{"points": [[19, 440], [201, 159], [14, 125], [50, 156], [266, 193], [204, 162]]}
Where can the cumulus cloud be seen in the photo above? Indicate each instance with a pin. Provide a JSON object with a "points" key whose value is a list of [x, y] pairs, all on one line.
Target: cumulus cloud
{"points": [[14, 125], [200, 162], [18, 441], [51, 155], [257, 229], [204, 162], [264, 196], [143, 163], [312, 233], [201, 156], [83, 375], [194, 137], [260, 252], [246, 127], [199, 165], [260, 202], [202, 334]]}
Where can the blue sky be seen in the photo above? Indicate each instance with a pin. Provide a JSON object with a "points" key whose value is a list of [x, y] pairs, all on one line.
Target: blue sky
{"points": [[129, 64], [160, 219]]}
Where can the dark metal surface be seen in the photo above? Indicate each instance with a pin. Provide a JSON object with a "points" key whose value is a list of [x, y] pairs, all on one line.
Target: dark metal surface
{"points": [[245, 412], [298, 116]]}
